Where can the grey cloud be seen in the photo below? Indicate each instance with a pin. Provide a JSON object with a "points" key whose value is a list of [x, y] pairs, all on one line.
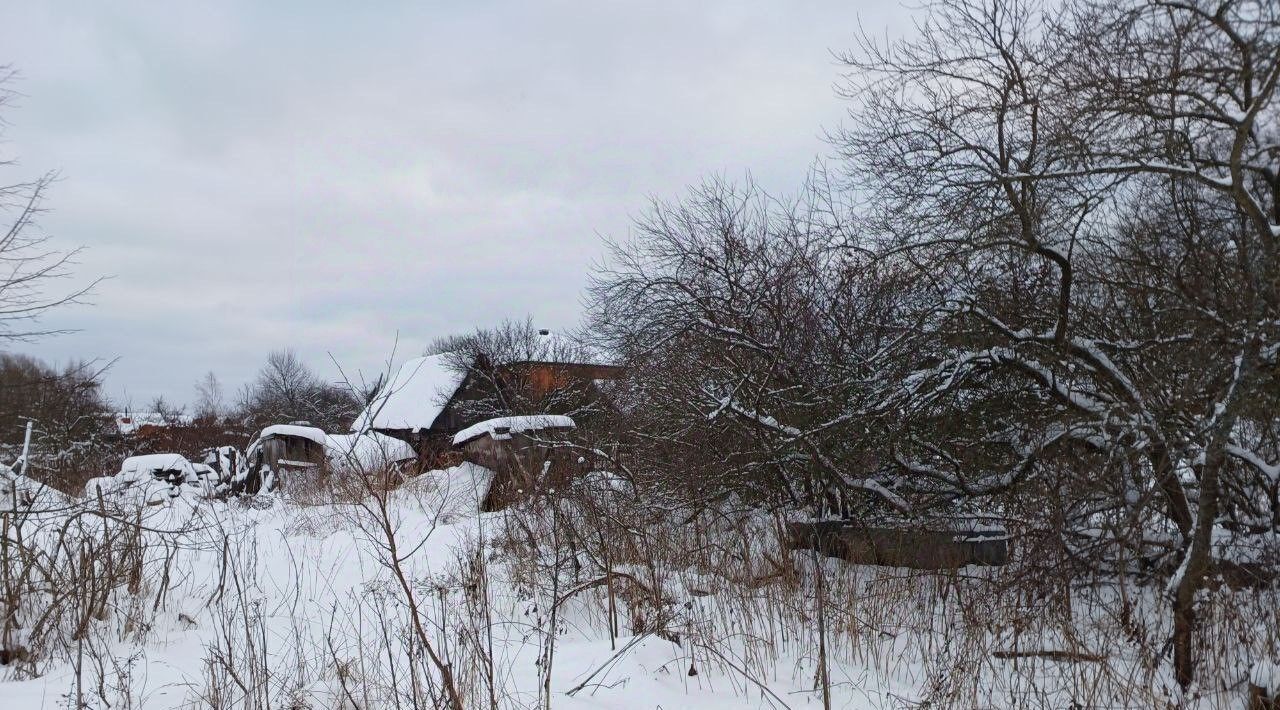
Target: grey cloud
{"points": [[327, 175]]}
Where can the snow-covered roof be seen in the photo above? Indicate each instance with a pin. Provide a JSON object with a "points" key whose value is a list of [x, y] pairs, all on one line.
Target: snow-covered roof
{"points": [[368, 450], [129, 422], [513, 425], [414, 397], [306, 432]]}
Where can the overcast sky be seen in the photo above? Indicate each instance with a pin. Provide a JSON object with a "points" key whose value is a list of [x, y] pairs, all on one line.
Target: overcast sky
{"points": [[254, 175]]}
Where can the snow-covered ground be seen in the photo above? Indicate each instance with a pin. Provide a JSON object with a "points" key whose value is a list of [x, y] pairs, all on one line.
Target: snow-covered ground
{"points": [[270, 603]]}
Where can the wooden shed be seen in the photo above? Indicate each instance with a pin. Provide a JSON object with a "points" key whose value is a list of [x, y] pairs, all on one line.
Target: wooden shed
{"points": [[523, 453], [292, 452], [280, 452]]}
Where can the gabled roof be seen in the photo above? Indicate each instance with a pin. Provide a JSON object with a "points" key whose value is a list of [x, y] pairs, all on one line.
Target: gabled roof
{"points": [[414, 397]]}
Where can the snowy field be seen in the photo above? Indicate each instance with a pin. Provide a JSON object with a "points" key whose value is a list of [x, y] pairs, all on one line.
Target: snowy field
{"points": [[372, 601]]}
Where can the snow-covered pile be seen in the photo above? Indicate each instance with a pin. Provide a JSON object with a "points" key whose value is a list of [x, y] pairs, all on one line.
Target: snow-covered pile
{"points": [[18, 492], [367, 452], [220, 464], [152, 478]]}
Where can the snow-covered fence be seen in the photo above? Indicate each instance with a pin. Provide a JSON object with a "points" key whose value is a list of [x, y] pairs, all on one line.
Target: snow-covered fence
{"points": [[78, 575]]}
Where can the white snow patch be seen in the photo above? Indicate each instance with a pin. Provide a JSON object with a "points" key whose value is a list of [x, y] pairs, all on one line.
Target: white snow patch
{"points": [[366, 451], [513, 425], [414, 397], [18, 491], [1266, 675], [306, 432], [141, 468]]}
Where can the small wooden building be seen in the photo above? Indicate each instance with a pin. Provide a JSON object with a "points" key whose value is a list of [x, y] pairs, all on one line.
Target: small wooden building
{"points": [[524, 454], [280, 452]]}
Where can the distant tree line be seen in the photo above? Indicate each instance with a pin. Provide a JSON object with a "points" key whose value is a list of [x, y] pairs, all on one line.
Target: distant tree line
{"points": [[74, 432], [71, 428]]}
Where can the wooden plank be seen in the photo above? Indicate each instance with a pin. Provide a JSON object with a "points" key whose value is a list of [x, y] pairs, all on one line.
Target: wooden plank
{"points": [[901, 547]]}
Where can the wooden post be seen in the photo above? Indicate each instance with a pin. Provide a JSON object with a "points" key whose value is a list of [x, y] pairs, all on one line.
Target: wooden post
{"points": [[26, 449]]}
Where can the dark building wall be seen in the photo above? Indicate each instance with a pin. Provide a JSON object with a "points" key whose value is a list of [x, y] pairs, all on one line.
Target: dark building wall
{"points": [[524, 465]]}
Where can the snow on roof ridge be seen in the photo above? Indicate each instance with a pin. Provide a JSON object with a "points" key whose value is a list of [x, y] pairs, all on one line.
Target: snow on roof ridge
{"points": [[513, 425], [414, 398], [315, 434], [369, 449]]}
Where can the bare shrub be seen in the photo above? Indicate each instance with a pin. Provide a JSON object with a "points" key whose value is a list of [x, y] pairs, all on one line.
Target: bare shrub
{"points": [[78, 577]]}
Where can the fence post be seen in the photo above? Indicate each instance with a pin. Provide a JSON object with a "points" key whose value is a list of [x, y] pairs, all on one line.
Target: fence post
{"points": [[26, 448]]}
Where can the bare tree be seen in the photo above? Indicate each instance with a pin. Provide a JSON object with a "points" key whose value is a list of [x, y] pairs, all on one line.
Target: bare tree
{"points": [[1089, 197], [748, 329], [29, 264], [72, 429], [286, 389], [210, 401], [65, 405], [1053, 295]]}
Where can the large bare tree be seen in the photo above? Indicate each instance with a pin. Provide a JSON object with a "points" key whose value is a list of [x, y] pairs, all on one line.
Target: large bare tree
{"points": [[64, 404], [1090, 195], [1054, 294], [286, 389], [752, 334]]}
